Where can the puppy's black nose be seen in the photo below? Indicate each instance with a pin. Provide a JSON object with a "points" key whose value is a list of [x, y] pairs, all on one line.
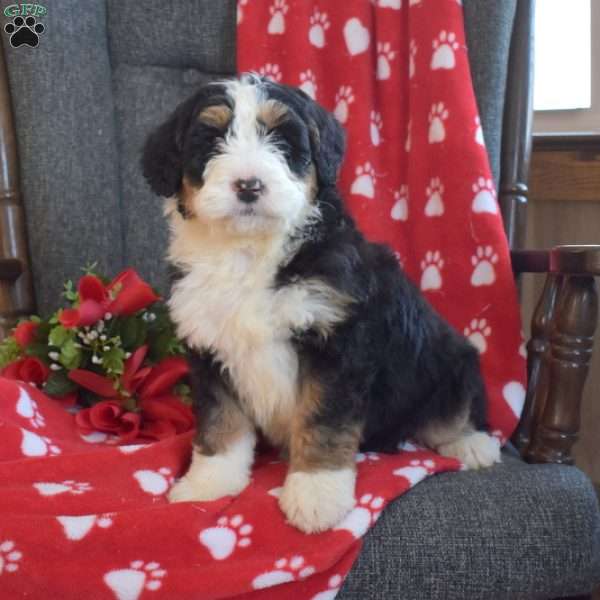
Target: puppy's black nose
{"points": [[248, 190]]}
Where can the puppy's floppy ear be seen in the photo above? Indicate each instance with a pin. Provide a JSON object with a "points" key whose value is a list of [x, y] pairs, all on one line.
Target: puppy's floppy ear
{"points": [[327, 141], [162, 158]]}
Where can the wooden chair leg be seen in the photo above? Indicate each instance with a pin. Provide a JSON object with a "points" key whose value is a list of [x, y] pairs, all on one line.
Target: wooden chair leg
{"points": [[16, 295], [571, 345], [538, 348]]}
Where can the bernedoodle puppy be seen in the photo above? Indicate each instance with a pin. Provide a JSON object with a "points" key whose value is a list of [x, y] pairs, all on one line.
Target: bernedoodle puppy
{"points": [[297, 327]]}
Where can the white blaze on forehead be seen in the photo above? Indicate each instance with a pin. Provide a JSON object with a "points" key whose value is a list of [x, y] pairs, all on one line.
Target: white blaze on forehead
{"points": [[246, 99]]}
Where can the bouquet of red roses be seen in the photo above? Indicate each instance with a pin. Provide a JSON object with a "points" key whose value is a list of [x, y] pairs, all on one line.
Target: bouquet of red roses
{"points": [[112, 354]]}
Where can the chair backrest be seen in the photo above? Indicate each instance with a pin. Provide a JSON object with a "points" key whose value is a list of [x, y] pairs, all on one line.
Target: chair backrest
{"points": [[517, 127], [84, 100]]}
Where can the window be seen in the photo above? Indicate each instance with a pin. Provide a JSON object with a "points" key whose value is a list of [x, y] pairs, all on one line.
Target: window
{"points": [[567, 59]]}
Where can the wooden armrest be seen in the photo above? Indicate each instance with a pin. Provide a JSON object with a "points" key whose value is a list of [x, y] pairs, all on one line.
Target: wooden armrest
{"points": [[10, 269], [566, 260], [559, 351]]}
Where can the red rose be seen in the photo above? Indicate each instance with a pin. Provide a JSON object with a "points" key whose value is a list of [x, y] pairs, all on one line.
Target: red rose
{"points": [[168, 409], [110, 417], [130, 292], [25, 333], [91, 287], [29, 369], [124, 295]]}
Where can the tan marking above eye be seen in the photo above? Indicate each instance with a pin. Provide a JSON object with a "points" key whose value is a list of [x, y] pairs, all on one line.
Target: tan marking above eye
{"points": [[271, 113], [218, 116]]}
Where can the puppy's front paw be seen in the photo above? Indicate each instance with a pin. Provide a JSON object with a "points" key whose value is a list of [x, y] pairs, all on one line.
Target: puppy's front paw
{"points": [[204, 489], [209, 478], [476, 449], [318, 500]]}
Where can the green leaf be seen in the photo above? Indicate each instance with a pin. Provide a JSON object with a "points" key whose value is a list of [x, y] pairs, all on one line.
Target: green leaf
{"points": [[9, 351], [38, 350], [69, 292], [59, 335], [113, 360], [133, 332], [59, 384], [70, 355]]}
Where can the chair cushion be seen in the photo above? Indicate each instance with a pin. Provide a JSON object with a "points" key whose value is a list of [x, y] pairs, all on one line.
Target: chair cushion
{"points": [[512, 531], [64, 117], [158, 61]]}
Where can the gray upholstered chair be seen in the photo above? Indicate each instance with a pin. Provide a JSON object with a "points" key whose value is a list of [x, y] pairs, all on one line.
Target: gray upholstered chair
{"points": [[105, 73]]}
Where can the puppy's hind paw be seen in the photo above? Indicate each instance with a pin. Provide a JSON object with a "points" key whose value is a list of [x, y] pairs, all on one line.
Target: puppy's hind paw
{"points": [[475, 449]]}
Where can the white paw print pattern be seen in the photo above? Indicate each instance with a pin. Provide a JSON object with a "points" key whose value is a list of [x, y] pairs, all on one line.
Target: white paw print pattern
{"points": [[437, 130], [479, 132], [285, 570], [375, 127], [128, 584], [477, 331], [435, 198], [155, 483], [367, 457], [319, 24], [483, 262], [409, 446], [362, 516], [417, 470], [484, 200], [77, 527], [271, 71], [278, 11], [385, 55], [356, 36], [364, 183], [75, 488], [400, 208], [444, 47], [229, 534], [514, 395], [95, 437], [9, 557], [240, 10], [432, 265], [343, 99], [407, 142], [523, 346], [308, 83], [394, 4], [414, 2], [28, 409], [33, 444], [412, 53], [334, 585]]}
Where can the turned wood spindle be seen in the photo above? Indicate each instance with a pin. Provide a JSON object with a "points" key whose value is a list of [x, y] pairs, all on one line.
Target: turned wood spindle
{"points": [[570, 352], [537, 351]]}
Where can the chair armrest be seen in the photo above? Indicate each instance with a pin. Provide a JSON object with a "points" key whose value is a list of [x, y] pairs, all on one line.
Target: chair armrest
{"points": [[559, 351], [10, 269], [567, 260]]}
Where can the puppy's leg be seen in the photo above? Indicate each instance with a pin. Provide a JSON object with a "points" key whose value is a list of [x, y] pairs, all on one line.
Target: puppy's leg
{"points": [[458, 438], [223, 450], [319, 487]]}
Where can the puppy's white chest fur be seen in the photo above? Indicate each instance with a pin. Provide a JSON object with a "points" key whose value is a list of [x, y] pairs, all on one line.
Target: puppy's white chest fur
{"points": [[226, 303]]}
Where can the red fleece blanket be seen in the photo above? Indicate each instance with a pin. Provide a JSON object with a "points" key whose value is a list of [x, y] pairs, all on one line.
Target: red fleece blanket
{"points": [[81, 517]]}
